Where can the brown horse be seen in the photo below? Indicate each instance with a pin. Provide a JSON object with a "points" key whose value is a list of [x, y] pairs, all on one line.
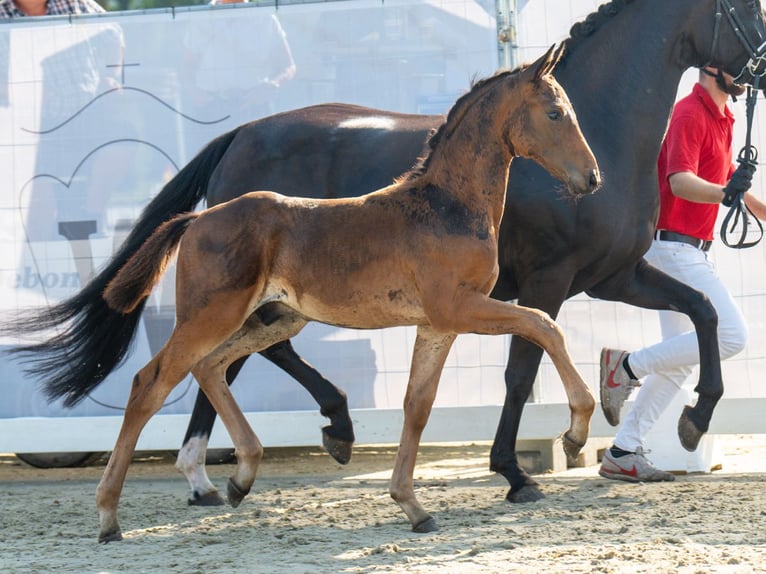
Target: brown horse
{"points": [[423, 251]]}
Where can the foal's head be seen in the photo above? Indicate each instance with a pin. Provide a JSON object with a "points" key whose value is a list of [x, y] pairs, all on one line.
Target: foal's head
{"points": [[544, 127]]}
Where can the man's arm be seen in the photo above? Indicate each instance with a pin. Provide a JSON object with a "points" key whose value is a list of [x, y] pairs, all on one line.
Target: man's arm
{"points": [[755, 205], [691, 187]]}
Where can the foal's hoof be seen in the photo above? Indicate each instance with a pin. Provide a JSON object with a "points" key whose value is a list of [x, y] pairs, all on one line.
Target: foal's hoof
{"points": [[527, 493], [211, 498], [110, 536], [571, 447], [688, 432], [339, 449], [428, 525], [234, 493]]}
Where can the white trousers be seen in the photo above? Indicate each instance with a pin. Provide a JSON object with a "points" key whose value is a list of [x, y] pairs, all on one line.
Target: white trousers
{"points": [[666, 365]]}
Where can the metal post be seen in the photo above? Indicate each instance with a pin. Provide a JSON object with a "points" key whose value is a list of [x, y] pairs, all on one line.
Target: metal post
{"points": [[506, 33]]}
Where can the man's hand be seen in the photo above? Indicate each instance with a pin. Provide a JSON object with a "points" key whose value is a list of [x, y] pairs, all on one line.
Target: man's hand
{"points": [[740, 182]]}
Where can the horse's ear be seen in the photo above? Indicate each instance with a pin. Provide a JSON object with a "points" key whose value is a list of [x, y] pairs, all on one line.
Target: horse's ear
{"points": [[546, 63]]}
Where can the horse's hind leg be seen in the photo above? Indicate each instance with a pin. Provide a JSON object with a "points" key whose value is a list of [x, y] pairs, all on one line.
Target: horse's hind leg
{"points": [[430, 352], [150, 387], [192, 455], [212, 374], [338, 436]]}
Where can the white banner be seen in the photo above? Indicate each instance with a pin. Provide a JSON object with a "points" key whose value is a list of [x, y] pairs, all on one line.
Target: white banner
{"points": [[97, 113]]}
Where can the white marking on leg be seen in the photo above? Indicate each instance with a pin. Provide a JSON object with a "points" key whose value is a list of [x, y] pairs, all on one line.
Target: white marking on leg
{"points": [[191, 462]]}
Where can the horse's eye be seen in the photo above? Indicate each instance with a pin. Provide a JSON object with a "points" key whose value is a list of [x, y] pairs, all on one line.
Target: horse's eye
{"points": [[555, 115]]}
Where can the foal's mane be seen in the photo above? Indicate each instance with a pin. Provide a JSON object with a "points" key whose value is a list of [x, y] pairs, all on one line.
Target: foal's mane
{"points": [[454, 117]]}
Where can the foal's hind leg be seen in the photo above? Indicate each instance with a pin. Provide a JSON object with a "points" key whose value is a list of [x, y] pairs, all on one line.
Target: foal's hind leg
{"points": [[211, 374], [150, 387], [431, 350], [337, 437], [194, 337]]}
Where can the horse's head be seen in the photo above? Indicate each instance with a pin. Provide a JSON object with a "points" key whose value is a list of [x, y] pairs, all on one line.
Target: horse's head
{"points": [[545, 128], [727, 34]]}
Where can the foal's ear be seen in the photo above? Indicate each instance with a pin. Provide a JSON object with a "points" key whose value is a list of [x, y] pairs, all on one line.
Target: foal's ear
{"points": [[547, 62]]}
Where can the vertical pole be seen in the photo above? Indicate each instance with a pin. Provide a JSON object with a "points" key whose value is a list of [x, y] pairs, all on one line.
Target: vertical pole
{"points": [[506, 33]]}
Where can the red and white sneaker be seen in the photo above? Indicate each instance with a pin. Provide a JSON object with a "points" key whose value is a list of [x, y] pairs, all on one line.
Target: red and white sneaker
{"points": [[616, 385], [634, 467]]}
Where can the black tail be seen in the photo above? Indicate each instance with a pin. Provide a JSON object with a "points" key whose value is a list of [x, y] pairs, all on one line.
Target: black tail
{"points": [[92, 340]]}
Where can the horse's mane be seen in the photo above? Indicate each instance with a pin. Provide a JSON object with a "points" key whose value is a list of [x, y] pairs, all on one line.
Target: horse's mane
{"points": [[454, 117], [595, 20]]}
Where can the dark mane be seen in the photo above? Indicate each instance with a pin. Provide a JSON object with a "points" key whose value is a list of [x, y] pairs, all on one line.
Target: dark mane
{"points": [[454, 116], [593, 21]]}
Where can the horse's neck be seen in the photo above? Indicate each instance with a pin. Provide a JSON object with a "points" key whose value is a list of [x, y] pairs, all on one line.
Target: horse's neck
{"points": [[472, 165], [632, 64]]}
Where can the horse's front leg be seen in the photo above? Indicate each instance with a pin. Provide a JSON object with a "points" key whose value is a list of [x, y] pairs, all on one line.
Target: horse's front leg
{"points": [[480, 314], [522, 367], [430, 353], [649, 288]]}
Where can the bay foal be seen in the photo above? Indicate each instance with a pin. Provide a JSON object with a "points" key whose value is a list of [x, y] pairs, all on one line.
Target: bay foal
{"points": [[423, 251]]}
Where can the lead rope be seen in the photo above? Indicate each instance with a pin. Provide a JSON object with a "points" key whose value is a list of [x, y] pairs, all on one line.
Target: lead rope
{"points": [[738, 210]]}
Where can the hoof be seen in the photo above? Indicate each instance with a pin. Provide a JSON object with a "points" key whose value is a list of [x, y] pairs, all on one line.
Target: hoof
{"points": [[211, 498], [340, 450], [571, 448], [527, 493], [110, 536], [235, 493], [427, 525], [688, 432]]}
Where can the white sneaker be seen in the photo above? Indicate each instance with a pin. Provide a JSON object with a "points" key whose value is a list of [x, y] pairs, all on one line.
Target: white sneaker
{"points": [[616, 385], [634, 467]]}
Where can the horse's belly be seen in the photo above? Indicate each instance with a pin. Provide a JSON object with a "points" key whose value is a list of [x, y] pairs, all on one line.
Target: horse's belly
{"points": [[367, 311]]}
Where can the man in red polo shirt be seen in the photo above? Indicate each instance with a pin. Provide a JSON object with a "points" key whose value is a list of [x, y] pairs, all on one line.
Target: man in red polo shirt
{"points": [[695, 175]]}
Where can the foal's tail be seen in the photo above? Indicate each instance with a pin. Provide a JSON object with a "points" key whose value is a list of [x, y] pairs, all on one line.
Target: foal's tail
{"points": [[134, 282], [91, 339]]}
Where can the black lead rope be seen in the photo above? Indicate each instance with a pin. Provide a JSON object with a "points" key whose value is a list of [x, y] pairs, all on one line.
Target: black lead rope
{"points": [[739, 214]]}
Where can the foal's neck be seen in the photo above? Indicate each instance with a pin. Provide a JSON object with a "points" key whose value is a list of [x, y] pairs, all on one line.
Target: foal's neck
{"points": [[471, 162]]}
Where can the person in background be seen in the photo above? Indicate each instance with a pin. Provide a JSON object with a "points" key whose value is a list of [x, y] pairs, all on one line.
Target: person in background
{"points": [[696, 175], [21, 8], [246, 85], [81, 68]]}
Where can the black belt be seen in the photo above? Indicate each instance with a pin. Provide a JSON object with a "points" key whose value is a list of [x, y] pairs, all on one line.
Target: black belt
{"points": [[664, 235]]}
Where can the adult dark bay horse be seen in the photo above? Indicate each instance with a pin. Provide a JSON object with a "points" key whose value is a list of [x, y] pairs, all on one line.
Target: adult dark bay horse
{"points": [[422, 251], [621, 70]]}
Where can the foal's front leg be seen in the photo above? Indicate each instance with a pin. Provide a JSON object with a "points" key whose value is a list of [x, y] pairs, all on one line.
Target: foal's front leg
{"points": [[480, 314], [429, 355]]}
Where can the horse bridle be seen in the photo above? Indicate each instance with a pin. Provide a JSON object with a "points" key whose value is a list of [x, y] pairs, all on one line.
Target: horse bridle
{"points": [[756, 67]]}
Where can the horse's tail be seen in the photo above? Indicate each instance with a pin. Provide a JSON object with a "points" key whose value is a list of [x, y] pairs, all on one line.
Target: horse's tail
{"points": [[91, 339], [135, 280]]}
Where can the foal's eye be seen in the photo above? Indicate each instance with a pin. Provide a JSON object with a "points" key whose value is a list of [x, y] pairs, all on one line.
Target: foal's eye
{"points": [[555, 115]]}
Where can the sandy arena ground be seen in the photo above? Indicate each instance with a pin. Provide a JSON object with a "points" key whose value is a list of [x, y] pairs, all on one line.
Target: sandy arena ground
{"points": [[306, 513]]}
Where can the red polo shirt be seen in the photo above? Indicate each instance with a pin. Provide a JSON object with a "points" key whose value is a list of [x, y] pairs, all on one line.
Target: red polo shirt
{"points": [[698, 140]]}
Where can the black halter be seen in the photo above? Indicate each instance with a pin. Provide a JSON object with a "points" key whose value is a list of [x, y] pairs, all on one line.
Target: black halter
{"points": [[756, 65], [739, 213]]}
